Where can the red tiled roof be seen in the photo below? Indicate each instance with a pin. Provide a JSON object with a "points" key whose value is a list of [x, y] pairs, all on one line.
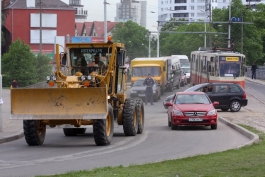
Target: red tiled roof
{"points": [[88, 26], [47, 4], [79, 27], [99, 27]]}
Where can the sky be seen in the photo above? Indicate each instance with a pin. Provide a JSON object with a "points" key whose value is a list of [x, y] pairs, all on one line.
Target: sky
{"points": [[95, 10]]}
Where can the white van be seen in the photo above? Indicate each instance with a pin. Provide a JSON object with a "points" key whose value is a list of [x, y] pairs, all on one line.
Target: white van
{"points": [[183, 59]]}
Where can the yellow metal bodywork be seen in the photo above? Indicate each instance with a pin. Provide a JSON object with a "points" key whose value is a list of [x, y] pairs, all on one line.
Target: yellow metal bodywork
{"points": [[59, 103], [70, 101]]}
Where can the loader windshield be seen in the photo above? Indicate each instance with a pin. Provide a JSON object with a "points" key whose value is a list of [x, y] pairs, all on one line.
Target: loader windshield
{"points": [[87, 60]]}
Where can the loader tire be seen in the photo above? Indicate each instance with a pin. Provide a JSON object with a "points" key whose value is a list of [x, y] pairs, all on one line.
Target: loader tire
{"points": [[34, 131], [140, 115], [103, 129], [130, 120]]}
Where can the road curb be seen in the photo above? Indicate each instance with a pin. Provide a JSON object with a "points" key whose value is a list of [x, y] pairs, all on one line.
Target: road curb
{"points": [[252, 136], [18, 135]]}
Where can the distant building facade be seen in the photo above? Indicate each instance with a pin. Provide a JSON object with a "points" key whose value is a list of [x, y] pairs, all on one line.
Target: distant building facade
{"points": [[80, 13], [94, 30], [192, 10], [131, 10], [21, 19]]}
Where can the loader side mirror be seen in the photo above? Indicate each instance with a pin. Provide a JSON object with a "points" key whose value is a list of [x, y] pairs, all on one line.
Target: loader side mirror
{"points": [[120, 59]]}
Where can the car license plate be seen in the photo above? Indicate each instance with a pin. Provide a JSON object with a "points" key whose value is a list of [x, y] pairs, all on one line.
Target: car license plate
{"points": [[141, 95], [195, 119]]}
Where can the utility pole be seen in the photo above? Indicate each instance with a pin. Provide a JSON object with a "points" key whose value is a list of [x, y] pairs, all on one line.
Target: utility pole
{"points": [[149, 48], [40, 27], [210, 23], [229, 25], [242, 33], [208, 7], [205, 35], [105, 21], [158, 31]]}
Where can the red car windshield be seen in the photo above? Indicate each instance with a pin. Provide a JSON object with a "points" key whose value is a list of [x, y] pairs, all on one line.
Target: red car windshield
{"points": [[192, 99]]}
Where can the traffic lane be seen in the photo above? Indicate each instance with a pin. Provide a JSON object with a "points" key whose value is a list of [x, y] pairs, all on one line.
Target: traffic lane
{"points": [[60, 154], [258, 87], [157, 143]]}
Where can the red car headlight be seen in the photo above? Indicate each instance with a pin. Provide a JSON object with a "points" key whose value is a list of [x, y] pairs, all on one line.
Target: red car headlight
{"points": [[177, 113], [212, 112]]}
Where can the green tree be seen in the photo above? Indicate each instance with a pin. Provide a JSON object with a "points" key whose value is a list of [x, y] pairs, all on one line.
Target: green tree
{"points": [[252, 34], [182, 43], [43, 67], [19, 63], [135, 38]]}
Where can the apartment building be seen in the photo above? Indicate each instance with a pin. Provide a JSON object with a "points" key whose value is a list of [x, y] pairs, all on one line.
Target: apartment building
{"points": [[192, 10], [131, 10]]}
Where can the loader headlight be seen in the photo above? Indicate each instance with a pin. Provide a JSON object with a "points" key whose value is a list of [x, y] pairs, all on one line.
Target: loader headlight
{"points": [[83, 78], [54, 78], [48, 78], [89, 77]]}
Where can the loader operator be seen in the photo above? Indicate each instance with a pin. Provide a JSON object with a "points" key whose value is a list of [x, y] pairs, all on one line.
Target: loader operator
{"points": [[98, 63]]}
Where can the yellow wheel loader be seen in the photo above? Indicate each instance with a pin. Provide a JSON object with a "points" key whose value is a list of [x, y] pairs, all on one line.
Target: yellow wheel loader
{"points": [[80, 94]]}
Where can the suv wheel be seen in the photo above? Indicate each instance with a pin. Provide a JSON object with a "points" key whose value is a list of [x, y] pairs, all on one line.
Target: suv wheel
{"points": [[235, 106]]}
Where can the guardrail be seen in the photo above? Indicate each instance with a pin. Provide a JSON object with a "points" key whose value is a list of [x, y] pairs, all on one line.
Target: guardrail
{"points": [[260, 73]]}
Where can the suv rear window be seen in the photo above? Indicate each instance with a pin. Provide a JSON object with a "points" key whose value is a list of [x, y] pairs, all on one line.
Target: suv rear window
{"points": [[234, 89]]}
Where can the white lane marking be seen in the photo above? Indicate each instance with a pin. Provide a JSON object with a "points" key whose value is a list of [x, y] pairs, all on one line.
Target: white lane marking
{"points": [[90, 153]]}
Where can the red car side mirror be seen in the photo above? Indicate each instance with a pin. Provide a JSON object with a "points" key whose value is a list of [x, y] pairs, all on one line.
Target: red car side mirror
{"points": [[169, 104], [215, 103]]}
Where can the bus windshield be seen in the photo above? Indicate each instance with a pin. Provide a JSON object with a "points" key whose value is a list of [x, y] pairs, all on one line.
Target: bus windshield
{"points": [[230, 67], [144, 71]]}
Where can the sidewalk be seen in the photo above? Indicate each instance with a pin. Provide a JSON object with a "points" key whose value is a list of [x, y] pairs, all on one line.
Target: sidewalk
{"points": [[13, 129]]}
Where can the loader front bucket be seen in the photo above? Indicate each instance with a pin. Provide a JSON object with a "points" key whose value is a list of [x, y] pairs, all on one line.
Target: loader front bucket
{"points": [[59, 103]]}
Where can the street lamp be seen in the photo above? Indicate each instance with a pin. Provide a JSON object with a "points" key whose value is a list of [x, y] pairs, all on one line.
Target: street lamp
{"points": [[204, 29], [229, 25], [149, 47], [105, 21]]}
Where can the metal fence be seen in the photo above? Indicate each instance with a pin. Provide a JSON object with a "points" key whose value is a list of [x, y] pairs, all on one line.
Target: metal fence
{"points": [[260, 72]]}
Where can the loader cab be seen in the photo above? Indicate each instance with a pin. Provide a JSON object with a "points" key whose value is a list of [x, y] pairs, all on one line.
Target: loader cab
{"points": [[83, 60]]}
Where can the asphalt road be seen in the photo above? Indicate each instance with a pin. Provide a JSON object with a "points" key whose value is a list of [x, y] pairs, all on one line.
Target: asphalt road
{"points": [[60, 154]]}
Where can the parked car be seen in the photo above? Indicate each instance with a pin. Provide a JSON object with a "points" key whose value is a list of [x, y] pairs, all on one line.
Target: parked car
{"points": [[138, 90], [229, 95], [192, 109], [168, 99], [187, 72], [183, 78]]}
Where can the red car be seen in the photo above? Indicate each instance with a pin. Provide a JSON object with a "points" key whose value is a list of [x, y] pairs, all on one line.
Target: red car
{"points": [[191, 108]]}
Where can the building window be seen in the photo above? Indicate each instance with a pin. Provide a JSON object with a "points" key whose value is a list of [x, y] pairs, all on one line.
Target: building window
{"points": [[224, 1], [180, 1], [161, 2], [192, 7], [192, 14]]}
